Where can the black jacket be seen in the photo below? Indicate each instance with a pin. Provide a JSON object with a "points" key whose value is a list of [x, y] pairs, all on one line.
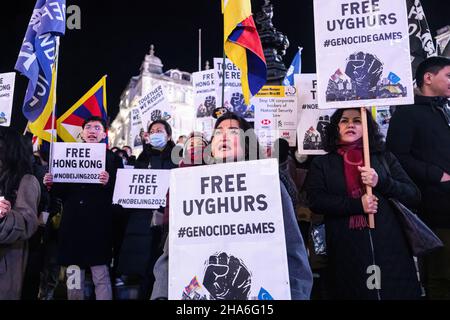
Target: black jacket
{"points": [[419, 135], [142, 244], [85, 233], [349, 250]]}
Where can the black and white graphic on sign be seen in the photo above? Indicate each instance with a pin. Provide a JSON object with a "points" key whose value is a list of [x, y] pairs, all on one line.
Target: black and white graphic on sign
{"points": [[227, 278], [362, 79]]}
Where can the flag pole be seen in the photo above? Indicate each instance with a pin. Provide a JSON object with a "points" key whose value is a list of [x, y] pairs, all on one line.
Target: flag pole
{"points": [[54, 105], [199, 49], [367, 158]]}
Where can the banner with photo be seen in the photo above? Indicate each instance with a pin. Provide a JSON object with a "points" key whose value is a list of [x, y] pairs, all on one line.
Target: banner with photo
{"points": [[233, 97], [382, 116], [154, 106], [7, 81], [226, 233], [136, 129], [312, 121], [362, 53], [275, 114]]}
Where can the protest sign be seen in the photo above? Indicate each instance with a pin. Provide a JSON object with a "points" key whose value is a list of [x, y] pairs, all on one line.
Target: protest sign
{"points": [[233, 97], [141, 188], [362, 53], [78, 162], [275, 114], [136, 128], [154, 106], [382, 116], [205, 100], [312, 121], [7, 81], [226, 233]]}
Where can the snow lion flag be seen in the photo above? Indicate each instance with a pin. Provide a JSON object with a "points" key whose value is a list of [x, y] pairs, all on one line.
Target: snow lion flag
{"points": [[93, 103]]}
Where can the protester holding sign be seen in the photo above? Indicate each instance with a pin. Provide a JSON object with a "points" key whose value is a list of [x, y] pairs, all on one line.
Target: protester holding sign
{"points": [[229, 145], [363, 263], [193, 151], [419, 135], [86, 224], [19, 199], [142, 242]]}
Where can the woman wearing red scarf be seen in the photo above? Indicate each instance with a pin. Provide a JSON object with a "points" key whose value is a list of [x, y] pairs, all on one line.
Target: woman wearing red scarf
{"points": [[363, 263]]}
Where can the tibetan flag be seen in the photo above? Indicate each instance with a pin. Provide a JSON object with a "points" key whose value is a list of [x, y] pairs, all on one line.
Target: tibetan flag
{"points": [[38, 53], [93, 103], [243, 46], [295, 68]]}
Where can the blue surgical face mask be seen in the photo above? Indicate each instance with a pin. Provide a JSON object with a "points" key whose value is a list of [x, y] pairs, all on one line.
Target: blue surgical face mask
{"points": [[158, 140]]}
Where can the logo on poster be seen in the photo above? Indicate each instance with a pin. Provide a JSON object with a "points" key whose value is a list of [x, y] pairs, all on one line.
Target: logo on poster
{"points": [[266, 122]]}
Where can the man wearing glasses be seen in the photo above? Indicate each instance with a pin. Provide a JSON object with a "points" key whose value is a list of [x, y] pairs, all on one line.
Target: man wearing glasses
{"points": [[85, 236]]}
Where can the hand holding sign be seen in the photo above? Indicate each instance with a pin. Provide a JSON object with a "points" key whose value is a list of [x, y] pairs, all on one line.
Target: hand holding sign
{"points": [[48, 180], [104, 177], [5, 207]]}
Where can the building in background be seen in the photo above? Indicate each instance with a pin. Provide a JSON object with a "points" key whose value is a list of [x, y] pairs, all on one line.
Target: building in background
{"points": [[178, 88]]}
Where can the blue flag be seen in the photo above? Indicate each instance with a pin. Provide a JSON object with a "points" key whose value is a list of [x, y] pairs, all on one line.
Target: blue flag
{"points": [[38, 52], [295, 68]]}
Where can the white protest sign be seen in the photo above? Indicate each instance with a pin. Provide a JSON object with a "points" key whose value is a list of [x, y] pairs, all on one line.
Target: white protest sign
{"points": [[136, 128], [362, 53], [226, 233], [233, 97], [7, 81], [154, 106], [311, 120], [205, 100], [276, 114], [141, 188], [204, 93], [78, 162], [382, 116]]}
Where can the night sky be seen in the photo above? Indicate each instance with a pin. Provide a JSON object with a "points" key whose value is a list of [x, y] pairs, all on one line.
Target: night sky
{"points": [[116, 35]]}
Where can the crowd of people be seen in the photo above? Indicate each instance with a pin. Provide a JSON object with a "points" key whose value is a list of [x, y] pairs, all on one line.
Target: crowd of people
{"points": [[72, 232]]}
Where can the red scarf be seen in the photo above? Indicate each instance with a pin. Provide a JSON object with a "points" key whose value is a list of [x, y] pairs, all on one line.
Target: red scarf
{"points": [[352, 154]]}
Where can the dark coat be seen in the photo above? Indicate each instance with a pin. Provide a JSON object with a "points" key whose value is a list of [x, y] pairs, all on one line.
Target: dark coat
{"points": [[349, 251], [419, 135], [85, 234], [142, 244], [15, 229]]}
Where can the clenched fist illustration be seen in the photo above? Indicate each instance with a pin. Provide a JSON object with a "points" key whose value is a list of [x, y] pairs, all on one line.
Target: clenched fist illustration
{"points": [[365, 71], [156, 115], [227, 278], [237, 101], [210, 102]]}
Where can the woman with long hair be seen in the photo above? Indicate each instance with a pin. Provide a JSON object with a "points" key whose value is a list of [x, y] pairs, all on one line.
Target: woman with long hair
{"points": [[19, 199], [234, 140], [363, 263]]}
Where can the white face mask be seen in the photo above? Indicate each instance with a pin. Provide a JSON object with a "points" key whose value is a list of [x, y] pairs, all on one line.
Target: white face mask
{"points": [[158, 140]]}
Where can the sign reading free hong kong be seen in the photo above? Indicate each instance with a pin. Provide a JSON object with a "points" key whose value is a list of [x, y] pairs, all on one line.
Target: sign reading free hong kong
{"points": [[78, 162], [362, 53], [227, 233]]}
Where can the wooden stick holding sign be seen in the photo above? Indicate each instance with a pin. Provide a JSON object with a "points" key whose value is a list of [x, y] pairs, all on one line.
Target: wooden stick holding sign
{"points": [[367, 158]]}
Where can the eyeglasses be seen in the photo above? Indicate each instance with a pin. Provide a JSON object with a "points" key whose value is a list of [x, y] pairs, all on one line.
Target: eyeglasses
{"points": [[231, 131], [96, 127]]}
